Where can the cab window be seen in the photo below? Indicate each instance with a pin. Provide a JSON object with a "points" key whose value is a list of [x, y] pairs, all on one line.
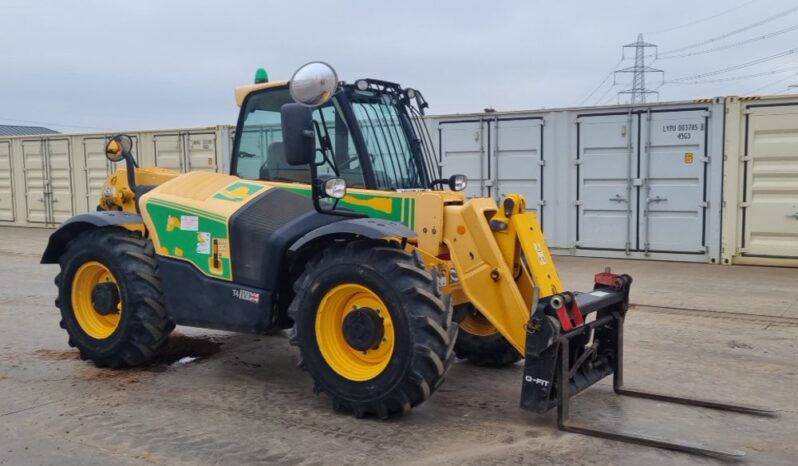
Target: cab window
{"points": [[261, 154]]}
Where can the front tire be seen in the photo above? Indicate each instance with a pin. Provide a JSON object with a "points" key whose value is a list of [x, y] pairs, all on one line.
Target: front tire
{"points": [[372, 327], [110, 298], [480, 343]]}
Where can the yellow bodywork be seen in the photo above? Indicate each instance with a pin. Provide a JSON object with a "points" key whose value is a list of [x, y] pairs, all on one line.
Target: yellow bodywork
{"points": [[474, 262]]}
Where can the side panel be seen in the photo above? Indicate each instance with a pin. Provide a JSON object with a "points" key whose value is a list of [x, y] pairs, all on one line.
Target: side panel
{"points": [[518, 159], [6, 183], [463, 150], [770, 202], [59, 159], [606, 164], [168, 149], [200, 151]]}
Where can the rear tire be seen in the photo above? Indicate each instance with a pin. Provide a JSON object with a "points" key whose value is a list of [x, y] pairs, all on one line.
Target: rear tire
{"points": [[480, 343], [139, 329], [407, 360]]}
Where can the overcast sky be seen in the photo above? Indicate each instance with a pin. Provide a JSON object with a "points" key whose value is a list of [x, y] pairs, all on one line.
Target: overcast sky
{"points": [[102, 65]]}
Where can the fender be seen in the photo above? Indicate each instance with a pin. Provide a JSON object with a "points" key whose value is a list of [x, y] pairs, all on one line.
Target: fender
{"points": [[80, 223], [367, 227]]}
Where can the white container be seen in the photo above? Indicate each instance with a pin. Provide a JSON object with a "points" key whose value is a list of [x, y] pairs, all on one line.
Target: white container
{"points": [[617, 181], [46, 179], [760, 218]]}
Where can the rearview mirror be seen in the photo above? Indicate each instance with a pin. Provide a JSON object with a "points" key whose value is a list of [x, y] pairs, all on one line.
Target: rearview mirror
{"points": [[298, 135]]}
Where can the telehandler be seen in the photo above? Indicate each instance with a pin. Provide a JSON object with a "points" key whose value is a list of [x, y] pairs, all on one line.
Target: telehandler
{"points": [[335, 221]]}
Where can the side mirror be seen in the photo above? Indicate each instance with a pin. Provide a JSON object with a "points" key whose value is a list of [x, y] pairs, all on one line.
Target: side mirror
{"points": [[299, 137], [118, 147]]}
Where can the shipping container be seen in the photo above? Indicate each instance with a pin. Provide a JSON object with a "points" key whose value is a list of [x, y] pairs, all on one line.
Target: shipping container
{"points": [[760, 217], [618, 181], [46, 179]]}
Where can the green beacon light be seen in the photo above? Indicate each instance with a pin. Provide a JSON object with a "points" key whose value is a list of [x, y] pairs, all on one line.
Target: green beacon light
{"points": [[261, 76]]}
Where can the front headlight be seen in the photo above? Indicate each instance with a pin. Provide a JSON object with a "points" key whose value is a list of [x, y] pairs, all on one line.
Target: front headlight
{"points": [[335, 188], [458, 182]]}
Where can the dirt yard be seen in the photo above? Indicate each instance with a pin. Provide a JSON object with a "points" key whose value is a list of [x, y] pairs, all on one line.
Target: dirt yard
{"points": [[220, 398]]}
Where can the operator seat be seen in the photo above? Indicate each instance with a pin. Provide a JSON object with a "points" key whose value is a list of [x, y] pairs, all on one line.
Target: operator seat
{"points": [[277, 168]]}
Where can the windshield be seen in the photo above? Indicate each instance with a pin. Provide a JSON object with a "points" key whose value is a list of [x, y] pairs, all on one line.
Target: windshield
{"points": [[260, 153], [385, 127]]}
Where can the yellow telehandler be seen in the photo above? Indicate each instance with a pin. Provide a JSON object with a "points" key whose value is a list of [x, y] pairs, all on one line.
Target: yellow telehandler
{"points": [[335, 221]]}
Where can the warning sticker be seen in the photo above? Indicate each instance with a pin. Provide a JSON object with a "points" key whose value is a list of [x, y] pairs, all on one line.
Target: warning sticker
{"points": [[541, 256], [204, 243], [688, 157], [189, 222]]}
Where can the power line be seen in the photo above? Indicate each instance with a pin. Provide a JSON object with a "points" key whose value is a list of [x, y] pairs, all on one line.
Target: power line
{"points": [[770, 84], [737, 78], [728, 46], [736, 67], [606, 78], [729, 34], [702, 19]]}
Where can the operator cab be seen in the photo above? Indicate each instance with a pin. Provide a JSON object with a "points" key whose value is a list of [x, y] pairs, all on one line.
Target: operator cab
{"points": [[370, 134]]}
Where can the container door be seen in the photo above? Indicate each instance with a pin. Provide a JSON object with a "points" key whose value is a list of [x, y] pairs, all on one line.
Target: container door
{"points": [[97, 170], [6, 186], [200, 151], [517, 156], [463, 150], [673, 198], [169, 151], [606, 168], [35, 175], [59, 171], [770, 184]]}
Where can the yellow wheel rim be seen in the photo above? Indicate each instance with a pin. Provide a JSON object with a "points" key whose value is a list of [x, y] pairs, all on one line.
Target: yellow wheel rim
{"points": [[92, 322], [476, 324], [349, 362]]}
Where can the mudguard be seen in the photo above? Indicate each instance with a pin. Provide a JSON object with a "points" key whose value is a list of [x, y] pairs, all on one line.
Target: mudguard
{"points": [[367, 227], [80, 223]]}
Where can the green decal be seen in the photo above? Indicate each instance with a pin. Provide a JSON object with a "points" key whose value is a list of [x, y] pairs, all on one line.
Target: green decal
{"points": [[238, 191], [393, 208], [190, 234]]}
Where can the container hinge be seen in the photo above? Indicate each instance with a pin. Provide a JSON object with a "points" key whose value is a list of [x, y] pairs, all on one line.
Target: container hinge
{"points": [[704, 204], [637, 182], [706, 113], [488, 183], [577, 161], [704, 159], [578, 203], [745, 204], [541, 202], [746, 158], [541, 162]]}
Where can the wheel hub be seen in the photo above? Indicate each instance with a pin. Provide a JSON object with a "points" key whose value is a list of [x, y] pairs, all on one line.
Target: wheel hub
{"points": [[363, 329], [105, 298]]}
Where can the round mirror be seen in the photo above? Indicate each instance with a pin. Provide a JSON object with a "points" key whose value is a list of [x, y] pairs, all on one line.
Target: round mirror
{"points": [[313, 84], [117, 147]]}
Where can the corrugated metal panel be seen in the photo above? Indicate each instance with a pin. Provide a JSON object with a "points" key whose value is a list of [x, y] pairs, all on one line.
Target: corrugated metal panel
{"points": [[761, 215], [15, 130], [6, 183], [620, 181]]}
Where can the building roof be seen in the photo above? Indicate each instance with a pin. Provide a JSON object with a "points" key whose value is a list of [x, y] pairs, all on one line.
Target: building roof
{"points": [[13, 130]]}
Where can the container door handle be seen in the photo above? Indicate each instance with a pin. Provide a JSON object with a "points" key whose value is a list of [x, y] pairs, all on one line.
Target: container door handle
{"points": [[656, 199], [795, 215], [618, 198]]}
